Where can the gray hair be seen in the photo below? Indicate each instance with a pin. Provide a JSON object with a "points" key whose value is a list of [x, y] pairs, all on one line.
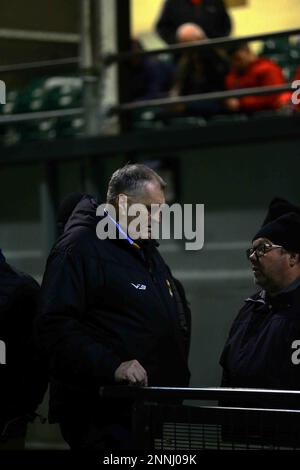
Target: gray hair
{"points": [[130, 179]]}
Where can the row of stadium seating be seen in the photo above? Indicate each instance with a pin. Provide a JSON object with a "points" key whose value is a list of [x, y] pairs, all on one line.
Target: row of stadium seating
{"points": [[44, 94], [285, 53]]}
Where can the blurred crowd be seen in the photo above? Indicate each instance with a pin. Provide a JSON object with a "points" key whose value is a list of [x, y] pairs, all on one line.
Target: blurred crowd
{"points": [[213, 69]]}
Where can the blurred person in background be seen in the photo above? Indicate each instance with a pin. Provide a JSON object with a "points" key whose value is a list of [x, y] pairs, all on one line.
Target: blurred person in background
{"points": [[210, 15], [248, 71], [149, 77], [198, 71], [23, 380]]}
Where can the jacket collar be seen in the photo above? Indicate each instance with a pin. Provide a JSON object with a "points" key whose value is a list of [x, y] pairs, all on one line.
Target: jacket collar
{"points": [[146, 245], [2, 257], [284, 296]]}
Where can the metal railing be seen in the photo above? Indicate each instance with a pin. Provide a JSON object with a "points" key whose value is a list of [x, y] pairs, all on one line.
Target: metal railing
{"points": [[202, 97], [36, 116], [245, 418], [109, 59], [43, 64], [204, 44]]}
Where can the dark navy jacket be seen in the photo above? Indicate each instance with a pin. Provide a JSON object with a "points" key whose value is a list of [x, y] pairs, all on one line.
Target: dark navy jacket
{"points": [[258, 352], [23, 378], [103, 303]]}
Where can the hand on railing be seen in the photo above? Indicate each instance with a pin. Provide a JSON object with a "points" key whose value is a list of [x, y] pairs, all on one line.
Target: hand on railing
{"points": [[132, 372]]}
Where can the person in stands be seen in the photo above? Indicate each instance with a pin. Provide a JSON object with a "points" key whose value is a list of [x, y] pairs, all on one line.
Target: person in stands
{"points": [[198, 71], [209, 15], [248, 71]]}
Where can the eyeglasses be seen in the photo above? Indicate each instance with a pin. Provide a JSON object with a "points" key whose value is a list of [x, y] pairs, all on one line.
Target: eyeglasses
{"points": [[261, 250]]}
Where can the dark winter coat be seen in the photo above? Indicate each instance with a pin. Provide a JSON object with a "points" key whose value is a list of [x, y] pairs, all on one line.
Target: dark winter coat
{"points": [[105, 302]]}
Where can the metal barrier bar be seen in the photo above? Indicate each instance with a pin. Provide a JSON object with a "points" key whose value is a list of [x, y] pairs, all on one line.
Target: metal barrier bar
{"points": [[219, 95], [214, 393], [162, 420], [37, 65], [177, 48], [126, 107], [60, 113], [167, 427], [41, 36]]}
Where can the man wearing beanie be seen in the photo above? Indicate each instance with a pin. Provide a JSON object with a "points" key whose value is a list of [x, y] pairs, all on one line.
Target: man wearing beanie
{"points": [[259, 350]]}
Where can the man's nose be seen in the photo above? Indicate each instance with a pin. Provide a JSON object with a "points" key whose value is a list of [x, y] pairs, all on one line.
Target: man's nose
{"points": [[253, 258]]}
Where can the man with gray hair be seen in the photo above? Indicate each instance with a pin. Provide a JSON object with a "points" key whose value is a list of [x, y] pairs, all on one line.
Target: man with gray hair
{"points": [[111, 313]]}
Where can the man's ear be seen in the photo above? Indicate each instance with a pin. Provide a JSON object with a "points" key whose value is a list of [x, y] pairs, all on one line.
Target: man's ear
{"points": [[294, 259]]}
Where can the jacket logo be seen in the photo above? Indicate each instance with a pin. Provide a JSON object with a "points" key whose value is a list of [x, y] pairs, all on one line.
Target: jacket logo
{"points": [[139, 286]]}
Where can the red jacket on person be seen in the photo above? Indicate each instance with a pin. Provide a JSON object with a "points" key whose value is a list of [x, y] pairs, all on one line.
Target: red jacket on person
{"points": [[262, 72]]}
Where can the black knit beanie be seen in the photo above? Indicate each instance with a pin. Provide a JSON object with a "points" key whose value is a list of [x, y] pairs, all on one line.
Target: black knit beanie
{"points": [[284, 231], [279, 207]]}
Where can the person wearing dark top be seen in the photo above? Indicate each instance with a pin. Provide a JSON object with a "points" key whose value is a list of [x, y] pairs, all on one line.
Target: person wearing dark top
{"points": [[111, 312], [210, 15], [200, 71], [23, 376], [149, 77], [258, 351]]}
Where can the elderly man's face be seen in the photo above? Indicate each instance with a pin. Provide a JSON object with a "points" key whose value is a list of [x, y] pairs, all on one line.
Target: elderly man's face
{"points": [[151, 194], [270, 264]]}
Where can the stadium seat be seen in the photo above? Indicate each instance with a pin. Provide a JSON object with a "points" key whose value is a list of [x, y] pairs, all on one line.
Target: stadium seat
{"points": [[63, 92], [276, 46], [11, 100], [32, 98], [70, 127]]}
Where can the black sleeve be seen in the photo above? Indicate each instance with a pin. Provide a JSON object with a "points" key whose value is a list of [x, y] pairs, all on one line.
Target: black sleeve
{"points": [[24, 377], [186, 322], [32, 372], [165, 26], [226, 380], [224, 24], [74, 355]]}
